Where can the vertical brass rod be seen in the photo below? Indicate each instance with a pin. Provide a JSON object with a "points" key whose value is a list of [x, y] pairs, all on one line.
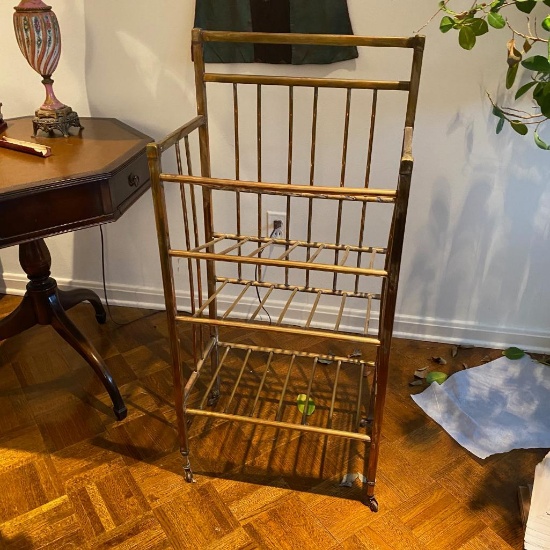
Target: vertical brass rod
{"points": [[289, 173], [287, 305], [259, 150], [371, 137], [283, 391], [238, 381], [196, 332], [178, 157], [237, 300], [262, 303], [261, 386], [345, 140], [214, 378], [342, 182], [367, 178], [163, 235], [195, 343], [312, 312], [312, 172], [207, 206], [188, 155], [304, 414], [236, 132], [416, 69], [359, 393], [237, 167], [340, 312], [334, 390]]}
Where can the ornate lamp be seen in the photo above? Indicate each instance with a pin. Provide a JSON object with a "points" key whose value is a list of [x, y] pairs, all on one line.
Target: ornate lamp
{"points": [[38, 36]]}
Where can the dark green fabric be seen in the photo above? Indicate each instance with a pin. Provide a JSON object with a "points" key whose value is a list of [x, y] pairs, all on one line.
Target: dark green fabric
{"points": [[306, 16], [226, 15]]}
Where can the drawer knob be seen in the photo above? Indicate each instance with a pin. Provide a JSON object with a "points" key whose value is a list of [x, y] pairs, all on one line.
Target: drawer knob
{"points": [[133, 180]]}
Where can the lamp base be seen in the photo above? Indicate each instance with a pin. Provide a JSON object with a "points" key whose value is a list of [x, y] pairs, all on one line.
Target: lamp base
{"points": [[59, 119]]}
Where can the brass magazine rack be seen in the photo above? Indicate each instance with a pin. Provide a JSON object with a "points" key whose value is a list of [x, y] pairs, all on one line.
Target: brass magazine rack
{"points": [[329, 274]]}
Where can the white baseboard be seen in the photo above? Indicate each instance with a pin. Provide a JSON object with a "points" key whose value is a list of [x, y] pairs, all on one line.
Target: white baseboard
{"points": [[406, 326]]}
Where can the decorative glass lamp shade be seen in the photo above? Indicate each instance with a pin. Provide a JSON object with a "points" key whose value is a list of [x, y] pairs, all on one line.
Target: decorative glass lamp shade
{"points": [[39, 39]]}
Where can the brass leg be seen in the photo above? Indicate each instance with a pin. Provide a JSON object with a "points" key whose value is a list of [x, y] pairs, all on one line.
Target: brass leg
{"points": [[70, 298]]}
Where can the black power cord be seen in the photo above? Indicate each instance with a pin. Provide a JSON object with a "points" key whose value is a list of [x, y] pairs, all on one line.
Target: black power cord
{"points": [[105, 287], [277, 233]]}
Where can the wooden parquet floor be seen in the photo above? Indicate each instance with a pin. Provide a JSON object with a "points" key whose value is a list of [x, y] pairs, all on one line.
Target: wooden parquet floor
{"points": [[71, 476]]}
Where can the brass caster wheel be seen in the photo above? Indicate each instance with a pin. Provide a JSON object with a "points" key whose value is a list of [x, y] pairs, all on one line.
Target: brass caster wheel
{"points": [[372, 503], [189, 475], [213, 399]]}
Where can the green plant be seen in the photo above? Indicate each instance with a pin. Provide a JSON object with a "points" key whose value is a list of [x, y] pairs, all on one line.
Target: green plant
{"points": [[476, 21]]}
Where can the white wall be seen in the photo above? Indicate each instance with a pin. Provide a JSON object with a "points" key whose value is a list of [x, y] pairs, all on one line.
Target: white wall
{"points": [[477, 255]]}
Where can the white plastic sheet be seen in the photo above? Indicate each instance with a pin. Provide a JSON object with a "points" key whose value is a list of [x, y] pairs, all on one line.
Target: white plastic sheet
{"points": [[494, 408]]}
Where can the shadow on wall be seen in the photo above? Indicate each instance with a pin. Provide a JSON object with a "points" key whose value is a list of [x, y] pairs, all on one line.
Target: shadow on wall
{"points": [[488, 257], [138, 69]]}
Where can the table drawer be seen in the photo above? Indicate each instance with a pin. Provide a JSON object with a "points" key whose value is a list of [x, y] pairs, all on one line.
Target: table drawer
{"points": [[129, 183]]}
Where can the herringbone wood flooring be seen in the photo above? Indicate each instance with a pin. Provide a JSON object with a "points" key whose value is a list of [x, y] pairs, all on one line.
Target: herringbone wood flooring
{"points": [[71, 476]]}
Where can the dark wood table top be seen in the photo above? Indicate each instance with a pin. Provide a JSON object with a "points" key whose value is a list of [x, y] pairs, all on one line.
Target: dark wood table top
{"points": [[92, 177]]}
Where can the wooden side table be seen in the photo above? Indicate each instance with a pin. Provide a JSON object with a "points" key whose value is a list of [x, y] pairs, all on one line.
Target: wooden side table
{"points": [[92, 177]]}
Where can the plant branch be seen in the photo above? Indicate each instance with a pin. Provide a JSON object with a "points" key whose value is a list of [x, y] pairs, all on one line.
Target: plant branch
{"points": [[535, 38], [432, 17]]}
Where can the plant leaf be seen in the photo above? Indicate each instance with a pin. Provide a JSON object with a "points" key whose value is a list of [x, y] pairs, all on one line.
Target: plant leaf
{"points": [[496, 20], [513, 353], [466, 38], [514, 56], [543, 101], [519, 127], [447, 23], [301, 402], [545, 23], [526, 6], [511, 75], [479, 26], [540, 144], [497, 111], [500, 125], [537, 63], [525, 88]]}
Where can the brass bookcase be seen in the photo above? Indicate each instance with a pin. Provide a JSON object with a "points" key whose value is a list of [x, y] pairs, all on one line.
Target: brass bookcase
{"points": [[225, 272]]}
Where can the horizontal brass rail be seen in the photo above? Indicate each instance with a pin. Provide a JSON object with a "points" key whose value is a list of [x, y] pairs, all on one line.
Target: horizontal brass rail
{"points": [[310, 82], [330, 268], [349, 193], [280, 424], [355, 338], [304, 38]]}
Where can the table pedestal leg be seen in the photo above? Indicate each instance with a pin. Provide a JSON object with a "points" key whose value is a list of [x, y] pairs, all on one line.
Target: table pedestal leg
{"points": [[45, 304]]}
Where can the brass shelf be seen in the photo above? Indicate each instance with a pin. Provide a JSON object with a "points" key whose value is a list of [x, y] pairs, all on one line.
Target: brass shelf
{"points": [[260, 385]]}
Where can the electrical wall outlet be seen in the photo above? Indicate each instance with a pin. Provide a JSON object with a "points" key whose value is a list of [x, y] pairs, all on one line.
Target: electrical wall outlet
{"points": [[276, 224]]}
